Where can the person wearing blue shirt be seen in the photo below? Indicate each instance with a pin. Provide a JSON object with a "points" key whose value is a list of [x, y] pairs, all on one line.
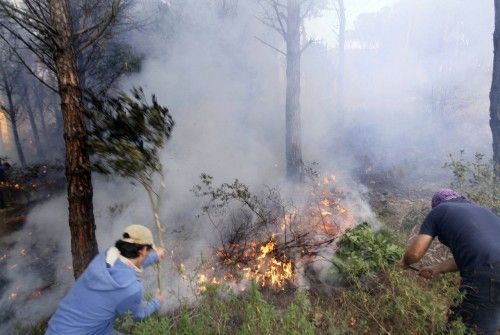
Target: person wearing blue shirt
{"points": [[109, 287], [472, 233]]}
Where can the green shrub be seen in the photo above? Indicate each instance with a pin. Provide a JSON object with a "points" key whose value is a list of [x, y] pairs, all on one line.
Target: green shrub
{"points": [[362, 251], [296, 319], [249, 313], [260, 317], [475, 179], [383, 297], [155, 325]]}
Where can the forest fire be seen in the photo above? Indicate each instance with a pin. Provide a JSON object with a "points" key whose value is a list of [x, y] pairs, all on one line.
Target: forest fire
{"points": [[260, 263], [268, 250], [268, 270], [10, 185], [329, 214]]}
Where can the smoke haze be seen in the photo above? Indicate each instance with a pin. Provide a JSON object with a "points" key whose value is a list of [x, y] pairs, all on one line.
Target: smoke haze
{"points": [[417, 77]]}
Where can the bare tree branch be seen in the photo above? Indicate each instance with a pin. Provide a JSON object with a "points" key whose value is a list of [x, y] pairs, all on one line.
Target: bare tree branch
{"points": [[280, 17], [101, 28], [270, 23], [30, 17], [308, 10], [31, 45], [271, 46], [305, 46]]}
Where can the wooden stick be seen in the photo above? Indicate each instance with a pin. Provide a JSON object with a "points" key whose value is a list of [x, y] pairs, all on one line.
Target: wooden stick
{"points": [[154, 199]]}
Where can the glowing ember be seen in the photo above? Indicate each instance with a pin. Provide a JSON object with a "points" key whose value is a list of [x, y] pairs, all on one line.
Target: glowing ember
{"points": [[324, 212], [11, 185]]}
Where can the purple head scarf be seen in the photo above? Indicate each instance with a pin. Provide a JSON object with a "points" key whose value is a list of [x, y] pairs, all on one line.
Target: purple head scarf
{"points": [[445, 194]]}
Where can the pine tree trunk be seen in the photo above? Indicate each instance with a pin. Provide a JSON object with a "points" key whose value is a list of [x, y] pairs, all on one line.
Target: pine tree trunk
{"points": [[12, 114], [341, 55], [294, 164], [3, 149], [13, 121], [17, 141], [78, 173], [43, 123], [36, 137], [495, 93]]}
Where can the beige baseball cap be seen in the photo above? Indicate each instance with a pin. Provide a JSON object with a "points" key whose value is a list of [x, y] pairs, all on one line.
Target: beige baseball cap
{"points": [[138, 234]]}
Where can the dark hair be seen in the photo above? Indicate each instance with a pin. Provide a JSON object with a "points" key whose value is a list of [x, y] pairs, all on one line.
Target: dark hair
{"points": [[130, 250]]}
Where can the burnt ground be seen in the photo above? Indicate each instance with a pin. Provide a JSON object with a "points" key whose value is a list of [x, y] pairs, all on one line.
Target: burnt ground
{"points": [[36, 263], [11, 220], [37, 186]]}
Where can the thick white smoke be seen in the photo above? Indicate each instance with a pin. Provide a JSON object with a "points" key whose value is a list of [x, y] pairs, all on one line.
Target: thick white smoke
{"points": [[416, 88]]}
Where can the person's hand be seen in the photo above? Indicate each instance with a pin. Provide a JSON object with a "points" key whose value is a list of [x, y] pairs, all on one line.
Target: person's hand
{"points": [[159, 296], [161, 252], [428, 272]]}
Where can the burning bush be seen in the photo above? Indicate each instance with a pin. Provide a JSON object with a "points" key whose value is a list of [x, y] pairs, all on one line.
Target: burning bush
{"points": [[264, 238]]}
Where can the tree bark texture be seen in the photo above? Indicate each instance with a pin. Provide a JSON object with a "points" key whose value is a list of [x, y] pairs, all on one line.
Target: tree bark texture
{"points": [[495, 93], [294, 164], [78, 173]]}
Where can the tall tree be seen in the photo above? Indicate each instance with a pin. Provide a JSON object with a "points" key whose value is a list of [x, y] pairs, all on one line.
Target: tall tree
{"points": [[287, 18], [100, 65], [45, 28], [495, 93], [41, 109], [10, 87], [29, 93], [341, 19]]}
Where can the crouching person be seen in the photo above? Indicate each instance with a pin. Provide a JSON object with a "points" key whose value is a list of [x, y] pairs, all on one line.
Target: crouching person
{"points": [[473, 235], [109, 287]]}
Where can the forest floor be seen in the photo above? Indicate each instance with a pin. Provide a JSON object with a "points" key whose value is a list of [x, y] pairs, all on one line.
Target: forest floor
{"points": [[384, 300], [381, 300]]}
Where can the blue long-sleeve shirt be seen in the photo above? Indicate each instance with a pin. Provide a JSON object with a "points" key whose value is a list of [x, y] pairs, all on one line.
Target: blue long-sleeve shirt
{"points": [[100, 294]]}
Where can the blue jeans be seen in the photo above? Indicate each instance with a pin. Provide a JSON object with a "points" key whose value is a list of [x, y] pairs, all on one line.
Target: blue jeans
{"points": [[480, 308]]}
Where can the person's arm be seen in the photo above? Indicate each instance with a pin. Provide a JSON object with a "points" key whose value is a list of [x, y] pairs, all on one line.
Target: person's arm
{"points": [[151, 259], [431, 271], [416, 250], [139, 307], [154, 257]]}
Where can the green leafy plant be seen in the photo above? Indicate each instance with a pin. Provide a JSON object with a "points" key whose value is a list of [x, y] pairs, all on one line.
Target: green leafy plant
{"points": [[475, 179], [384, 297], [361, 251], [125, 136]]}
